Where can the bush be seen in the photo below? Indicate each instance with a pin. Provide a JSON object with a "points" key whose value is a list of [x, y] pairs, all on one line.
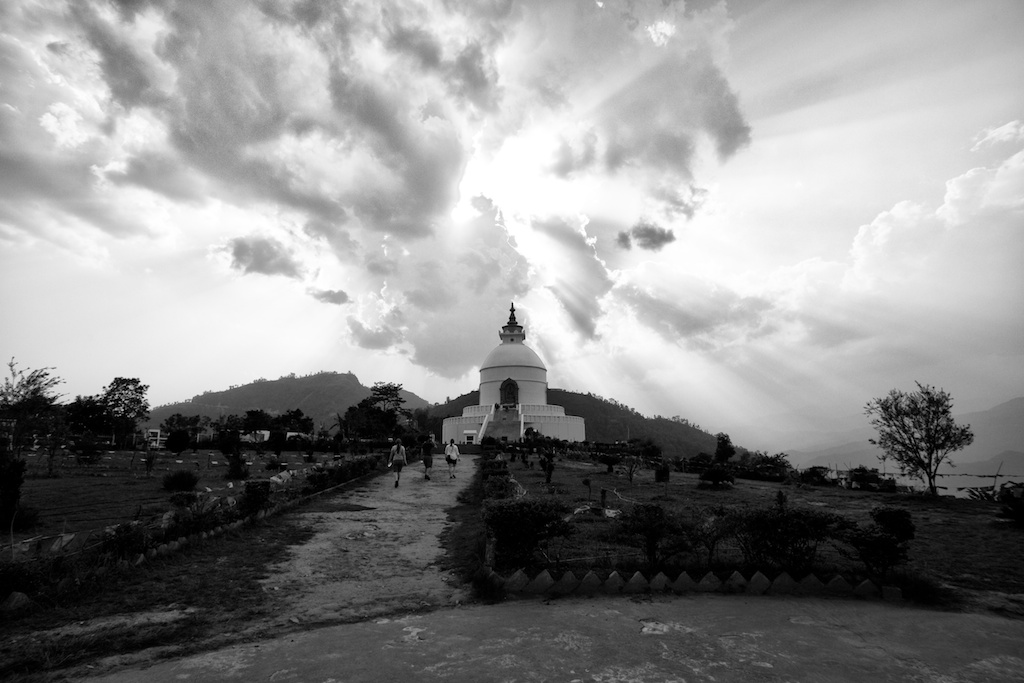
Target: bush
{"points": [[180, 480], [123, 541], [1011, 496], [882, 545], [12, 476], [521, 526], [716, 476], [500, 488], [237, 469], [255, 497], [493, 468], [711, 526], [816, 476], [609, 460], [659, 534], [783, 537]]}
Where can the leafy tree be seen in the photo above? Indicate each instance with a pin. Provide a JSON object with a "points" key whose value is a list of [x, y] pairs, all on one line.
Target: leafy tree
{"points": [[28, 401], [917, 430], [178, 441], [257, 420], [178, 422], [127, 405], [294, 421], [724, 450], [27, 398], [387, 395], [88, 414], [366, 419]]}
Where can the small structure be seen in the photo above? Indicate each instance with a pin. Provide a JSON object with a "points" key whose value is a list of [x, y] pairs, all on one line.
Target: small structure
{"points": [[513, 397]]}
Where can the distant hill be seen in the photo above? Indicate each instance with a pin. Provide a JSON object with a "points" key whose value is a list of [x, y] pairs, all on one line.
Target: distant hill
{"points": [[319, 396], [998, 437], [608, 422]]}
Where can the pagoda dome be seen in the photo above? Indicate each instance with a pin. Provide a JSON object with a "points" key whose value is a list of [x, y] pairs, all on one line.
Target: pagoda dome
{"points": [[513, 356]]}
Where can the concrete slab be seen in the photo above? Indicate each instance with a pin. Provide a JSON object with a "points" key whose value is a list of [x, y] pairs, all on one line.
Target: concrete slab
{"points": [[644, 639]]}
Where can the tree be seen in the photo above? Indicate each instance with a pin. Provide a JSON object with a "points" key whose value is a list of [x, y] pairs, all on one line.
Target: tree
{"points": [[366, 419], [28, 401], [177, 441], [294, 421], [387, 395], [725, 449], [127, 405], [88, 414], [917, 430]]}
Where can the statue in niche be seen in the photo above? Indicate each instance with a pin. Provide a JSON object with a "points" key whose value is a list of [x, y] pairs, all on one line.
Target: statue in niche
{"points": [[509, 392]]}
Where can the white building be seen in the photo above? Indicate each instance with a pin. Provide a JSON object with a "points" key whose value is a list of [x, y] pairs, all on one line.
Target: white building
{"points": [[513, 397]]}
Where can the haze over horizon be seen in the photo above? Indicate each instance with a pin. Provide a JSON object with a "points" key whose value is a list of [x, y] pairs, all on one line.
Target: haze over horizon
{"points": [[750, 214]]}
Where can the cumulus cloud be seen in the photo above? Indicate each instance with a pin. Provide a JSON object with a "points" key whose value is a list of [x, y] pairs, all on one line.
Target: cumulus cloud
{"points": [[330, 296], [647, 236], [379, 338], [263, 255], [1007, 133], [697, 313]]}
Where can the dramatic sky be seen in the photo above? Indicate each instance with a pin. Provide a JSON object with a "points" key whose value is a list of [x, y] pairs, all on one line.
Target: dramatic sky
{"points": [[750, 214]]}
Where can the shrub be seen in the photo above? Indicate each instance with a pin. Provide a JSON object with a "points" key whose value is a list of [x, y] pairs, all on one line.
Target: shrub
{"points": [[659, 534], [816, 476], [237, 469], [500, 488], [12, 476], [180, 480], [1011, 496], [25, 517], [255, 497], [195, 512], [177, 441], [711, 525], [609, 460], [716, 476], [783, 537], [520, 527], [882, 545], [124, 540], [493, 468]]}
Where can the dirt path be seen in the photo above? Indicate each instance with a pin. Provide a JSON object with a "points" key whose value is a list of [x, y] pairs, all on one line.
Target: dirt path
{"points": [[374, 551]]}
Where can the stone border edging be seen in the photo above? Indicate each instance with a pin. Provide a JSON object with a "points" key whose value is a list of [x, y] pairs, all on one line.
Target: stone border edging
{"points": [[543, 584]]}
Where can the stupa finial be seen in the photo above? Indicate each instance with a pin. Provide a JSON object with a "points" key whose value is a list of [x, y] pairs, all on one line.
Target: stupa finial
{"points": [[512, 314]]}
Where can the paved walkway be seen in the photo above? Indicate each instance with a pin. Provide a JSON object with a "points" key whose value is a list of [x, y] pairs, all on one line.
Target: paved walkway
{"points": [[604, 639]]}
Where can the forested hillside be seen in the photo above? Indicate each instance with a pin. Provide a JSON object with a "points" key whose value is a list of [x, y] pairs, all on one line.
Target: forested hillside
{"points": [[319, 396], [608, 421]]}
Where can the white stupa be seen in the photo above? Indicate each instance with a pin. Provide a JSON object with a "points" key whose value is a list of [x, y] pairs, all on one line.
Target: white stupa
{"points": [[513, 397]]}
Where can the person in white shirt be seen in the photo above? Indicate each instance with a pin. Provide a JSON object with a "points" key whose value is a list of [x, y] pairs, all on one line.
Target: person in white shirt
{"points": [[451, 456]]}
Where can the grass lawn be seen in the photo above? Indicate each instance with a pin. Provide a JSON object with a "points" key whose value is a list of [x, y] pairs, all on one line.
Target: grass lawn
{"points": [[89, 497], [961, 543]]}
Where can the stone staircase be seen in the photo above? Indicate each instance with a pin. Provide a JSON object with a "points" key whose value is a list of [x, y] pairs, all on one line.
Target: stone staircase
{"points": [[504, 424]]}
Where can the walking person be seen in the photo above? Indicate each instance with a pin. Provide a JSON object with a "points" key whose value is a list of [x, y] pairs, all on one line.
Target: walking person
{"points": [[451, 456], [427, 453], [396, 461]]}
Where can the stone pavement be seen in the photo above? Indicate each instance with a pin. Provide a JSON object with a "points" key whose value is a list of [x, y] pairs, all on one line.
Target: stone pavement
{"points": [[637, 639]]}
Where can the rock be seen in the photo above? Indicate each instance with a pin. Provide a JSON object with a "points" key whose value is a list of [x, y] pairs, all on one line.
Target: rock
{"points": [[16, 602]]}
